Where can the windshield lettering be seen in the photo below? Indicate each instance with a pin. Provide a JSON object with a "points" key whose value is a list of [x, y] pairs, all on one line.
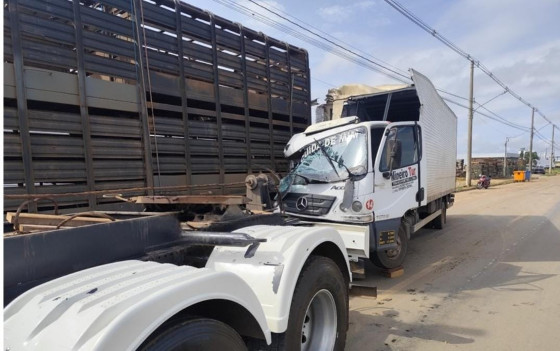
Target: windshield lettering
{"points": [[332, 158], [344, 137]]}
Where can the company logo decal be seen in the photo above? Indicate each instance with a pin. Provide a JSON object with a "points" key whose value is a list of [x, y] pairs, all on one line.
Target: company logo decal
{"points": [[369, 204], [403, 178], [301, 203]]}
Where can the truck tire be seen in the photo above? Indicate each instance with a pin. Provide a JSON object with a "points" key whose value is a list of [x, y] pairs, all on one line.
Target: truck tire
{"points": [[194, 334], [439, 221], [319, 311], [394, 258]]}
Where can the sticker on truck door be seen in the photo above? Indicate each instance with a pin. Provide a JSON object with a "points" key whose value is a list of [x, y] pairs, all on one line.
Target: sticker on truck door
{"points": [[403, 178]]}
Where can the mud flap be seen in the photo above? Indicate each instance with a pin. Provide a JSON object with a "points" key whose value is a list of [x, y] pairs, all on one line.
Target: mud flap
{"points": [[384, 234]]}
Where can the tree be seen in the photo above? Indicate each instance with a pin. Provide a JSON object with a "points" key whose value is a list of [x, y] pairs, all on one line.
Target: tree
{"points": [[525, 157]]}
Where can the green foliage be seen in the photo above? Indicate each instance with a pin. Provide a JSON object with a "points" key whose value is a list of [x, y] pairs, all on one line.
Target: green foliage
{"points": [[525, 157]]}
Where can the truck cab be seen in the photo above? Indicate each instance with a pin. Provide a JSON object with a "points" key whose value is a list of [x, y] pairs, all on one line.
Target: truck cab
{"points": [[387, 166]]}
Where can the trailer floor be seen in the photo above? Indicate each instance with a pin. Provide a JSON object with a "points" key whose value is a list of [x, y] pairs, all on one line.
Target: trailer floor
{"points": [[490, 280]]}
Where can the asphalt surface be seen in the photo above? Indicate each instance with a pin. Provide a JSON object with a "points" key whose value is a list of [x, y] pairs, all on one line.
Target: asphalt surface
{"points": [[490, 280]]}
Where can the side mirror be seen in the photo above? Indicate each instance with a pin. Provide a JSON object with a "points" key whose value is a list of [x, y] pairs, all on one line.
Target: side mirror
{"points": [[348, 195], [395, 156]]}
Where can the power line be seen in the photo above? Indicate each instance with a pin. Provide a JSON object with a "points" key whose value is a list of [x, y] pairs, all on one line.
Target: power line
{"points": [[455, 95], [411, 16], [497, 119], [356, 56], [403, 72], [322, 43], [330, 41], [500, 117]]}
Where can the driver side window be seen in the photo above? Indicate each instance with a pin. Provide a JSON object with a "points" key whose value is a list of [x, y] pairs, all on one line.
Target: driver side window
{"points": [[400, 149]]}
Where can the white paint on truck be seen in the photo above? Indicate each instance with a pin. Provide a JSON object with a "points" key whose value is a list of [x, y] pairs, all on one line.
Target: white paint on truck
{"points": [[116, 306], [119, 305]]}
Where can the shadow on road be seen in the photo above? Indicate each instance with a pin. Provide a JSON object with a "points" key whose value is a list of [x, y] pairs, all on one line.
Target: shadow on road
{"points": [[378, 332], [442, 264]]}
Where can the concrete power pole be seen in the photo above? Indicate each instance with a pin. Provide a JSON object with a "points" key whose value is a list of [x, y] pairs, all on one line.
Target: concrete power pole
{"points": [[531, 142], [552, 163], [505, 157], [469, 137]]}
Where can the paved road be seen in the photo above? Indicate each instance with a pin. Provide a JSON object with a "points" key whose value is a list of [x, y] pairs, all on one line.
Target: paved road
{"points": [[490, 280]]}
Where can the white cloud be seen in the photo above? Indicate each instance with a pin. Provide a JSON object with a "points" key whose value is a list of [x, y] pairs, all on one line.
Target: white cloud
{"points": [[344, 13]]}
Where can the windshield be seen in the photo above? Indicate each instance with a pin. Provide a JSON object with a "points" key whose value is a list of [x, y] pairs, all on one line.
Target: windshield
{"points": [[329, 159]]}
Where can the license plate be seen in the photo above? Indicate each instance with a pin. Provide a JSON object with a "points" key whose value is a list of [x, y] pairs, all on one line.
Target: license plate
{"points": [[387, 237]]}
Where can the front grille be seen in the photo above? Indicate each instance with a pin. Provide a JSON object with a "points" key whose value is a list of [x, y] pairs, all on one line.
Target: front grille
{"points": [[317, 205]]}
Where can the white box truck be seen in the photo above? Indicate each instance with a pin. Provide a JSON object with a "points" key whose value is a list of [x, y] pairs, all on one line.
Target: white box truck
{"points": [[380, 173]]}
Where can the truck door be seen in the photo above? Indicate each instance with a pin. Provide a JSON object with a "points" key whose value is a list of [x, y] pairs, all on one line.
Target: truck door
{"points": [[397, 172]]}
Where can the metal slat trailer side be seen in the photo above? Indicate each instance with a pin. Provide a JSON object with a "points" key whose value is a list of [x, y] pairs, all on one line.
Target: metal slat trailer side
{"points": [[82, 78]]}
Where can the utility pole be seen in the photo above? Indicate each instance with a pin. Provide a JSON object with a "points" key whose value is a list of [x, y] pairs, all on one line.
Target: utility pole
{"points": [[531, 143], [469, 137], [552, 163], [505, 157]]}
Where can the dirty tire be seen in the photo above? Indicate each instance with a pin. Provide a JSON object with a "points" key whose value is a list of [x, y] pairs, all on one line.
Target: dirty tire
{"points": [[439, 221], [194, 334], [320, 298], [389, 259]]}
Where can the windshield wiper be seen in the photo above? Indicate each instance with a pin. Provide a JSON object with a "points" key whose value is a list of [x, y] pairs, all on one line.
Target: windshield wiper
{"points": [[328, 157]]}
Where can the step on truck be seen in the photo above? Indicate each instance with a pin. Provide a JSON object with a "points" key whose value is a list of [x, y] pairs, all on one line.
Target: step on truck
{"points": [[380, 173]]}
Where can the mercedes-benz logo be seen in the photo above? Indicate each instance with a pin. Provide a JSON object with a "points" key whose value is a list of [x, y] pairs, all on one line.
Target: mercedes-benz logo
{"points": [[301, 203]]}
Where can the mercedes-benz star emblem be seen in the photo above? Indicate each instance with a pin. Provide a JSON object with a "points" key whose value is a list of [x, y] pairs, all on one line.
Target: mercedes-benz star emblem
{"points": [[301, 203]]}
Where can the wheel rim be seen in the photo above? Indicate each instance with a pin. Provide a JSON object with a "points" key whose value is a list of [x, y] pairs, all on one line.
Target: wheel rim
{"points": [[319, 327], [394, 253]]}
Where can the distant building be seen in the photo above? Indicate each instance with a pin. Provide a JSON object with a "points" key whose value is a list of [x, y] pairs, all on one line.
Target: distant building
{"points": [[490, 164]]}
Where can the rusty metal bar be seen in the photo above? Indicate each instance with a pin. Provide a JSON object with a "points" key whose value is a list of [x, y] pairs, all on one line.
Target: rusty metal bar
{"points": [[86, 130], [21, 97], [192, 199], [142, 106], [291, 78], [217, 98], [245, 99], [269, 101], [183, 87]]}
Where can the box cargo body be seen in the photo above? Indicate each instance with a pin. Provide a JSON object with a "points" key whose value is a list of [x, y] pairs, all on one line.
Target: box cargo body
{"points": [[129, 94], [419, 102]]}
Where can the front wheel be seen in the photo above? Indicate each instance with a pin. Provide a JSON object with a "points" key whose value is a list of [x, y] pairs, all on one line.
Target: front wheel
{"points": [[319, 312], [393, 258], [194, 334]]}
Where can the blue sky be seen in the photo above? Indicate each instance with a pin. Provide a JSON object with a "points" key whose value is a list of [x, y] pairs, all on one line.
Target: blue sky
{"points": [[518, 40]]}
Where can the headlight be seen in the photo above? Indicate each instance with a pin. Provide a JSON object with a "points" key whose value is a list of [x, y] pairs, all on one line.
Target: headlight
{"points": [[356, 206]]}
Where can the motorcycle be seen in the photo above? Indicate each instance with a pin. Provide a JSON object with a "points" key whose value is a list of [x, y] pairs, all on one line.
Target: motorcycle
{"points": [[483, 182]]}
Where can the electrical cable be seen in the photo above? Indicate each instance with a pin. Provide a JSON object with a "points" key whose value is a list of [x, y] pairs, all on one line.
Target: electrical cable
{"points": [[404, 72], [354, 56], [331, 47], [411, 16]]}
